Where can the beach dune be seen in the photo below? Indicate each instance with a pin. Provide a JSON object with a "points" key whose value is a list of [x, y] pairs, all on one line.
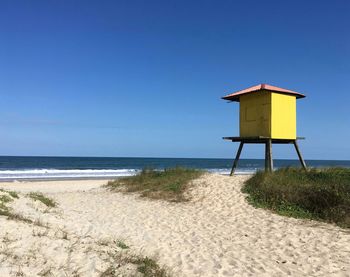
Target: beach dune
{"points": [[216, 233]]}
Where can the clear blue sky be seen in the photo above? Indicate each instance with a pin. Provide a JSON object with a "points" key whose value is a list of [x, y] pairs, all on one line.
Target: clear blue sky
{"points": [[144, 78]]}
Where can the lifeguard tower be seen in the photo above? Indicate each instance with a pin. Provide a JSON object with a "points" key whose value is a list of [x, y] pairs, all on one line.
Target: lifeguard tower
{"points": [[267, 114]]}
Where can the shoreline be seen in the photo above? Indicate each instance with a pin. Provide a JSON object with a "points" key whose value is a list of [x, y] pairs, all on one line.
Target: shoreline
{"points": [[108, 178], [23, 180]]}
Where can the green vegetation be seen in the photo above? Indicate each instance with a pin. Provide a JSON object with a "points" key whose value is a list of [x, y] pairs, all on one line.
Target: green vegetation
{"points": [[42, 198], [4, 199], [144, 266], [169, 184], [147, 266], [319, 194], [13, 194], [121, 244], [18, 217]]}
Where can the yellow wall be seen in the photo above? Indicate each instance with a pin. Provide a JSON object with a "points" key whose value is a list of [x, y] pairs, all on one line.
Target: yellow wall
{"points": [[268, 114], [255, 114], [283, 116]]}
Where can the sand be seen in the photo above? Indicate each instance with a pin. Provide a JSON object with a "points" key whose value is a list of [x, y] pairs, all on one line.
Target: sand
{"points": [[217, 233]]}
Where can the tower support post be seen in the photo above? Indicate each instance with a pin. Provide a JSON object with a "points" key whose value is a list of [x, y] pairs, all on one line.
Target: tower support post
{"points": [[237, 158], [268, 149], [268, 156], [303, 164]]}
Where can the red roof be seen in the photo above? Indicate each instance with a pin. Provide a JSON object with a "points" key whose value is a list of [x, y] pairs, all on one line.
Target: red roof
{"points": [[235, 96]]}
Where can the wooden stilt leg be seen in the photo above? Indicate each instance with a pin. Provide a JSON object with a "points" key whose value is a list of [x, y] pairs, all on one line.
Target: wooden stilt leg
{"points": [[237, 158], [299, 154], [268, 156]]}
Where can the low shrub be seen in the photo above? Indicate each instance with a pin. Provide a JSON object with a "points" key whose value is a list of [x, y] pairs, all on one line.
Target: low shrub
{"points": [[169, 184], [38, 196], [320, 194]]}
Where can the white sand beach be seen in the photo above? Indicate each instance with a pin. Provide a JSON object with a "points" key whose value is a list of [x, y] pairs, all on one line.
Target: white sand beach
{"points": [[217, 233]]}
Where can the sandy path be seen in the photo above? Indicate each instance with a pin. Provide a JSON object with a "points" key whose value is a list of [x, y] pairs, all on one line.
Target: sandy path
{"points": [[216, 234]]}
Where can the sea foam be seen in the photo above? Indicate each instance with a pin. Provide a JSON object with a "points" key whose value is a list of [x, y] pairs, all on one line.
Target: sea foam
{"points": [[37, 174], [64, 173]]}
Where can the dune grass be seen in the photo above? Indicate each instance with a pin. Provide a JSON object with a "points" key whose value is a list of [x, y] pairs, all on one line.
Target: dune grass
{"points": [[38, 196], [121, 244], [145, 266], [319, 194], [4, 199], [6, 196], [169, 184], [13, 194], [150, 268]]}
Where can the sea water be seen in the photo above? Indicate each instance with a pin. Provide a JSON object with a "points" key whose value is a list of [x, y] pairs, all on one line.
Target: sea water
{"points": [[20, 168]]}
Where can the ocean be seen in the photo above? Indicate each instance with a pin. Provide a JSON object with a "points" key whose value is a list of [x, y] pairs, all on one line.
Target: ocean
{"points": [[37, 168]]}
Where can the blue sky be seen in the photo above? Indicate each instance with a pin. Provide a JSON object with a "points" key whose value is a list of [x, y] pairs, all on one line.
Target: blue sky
{"points": [[144, 78]]}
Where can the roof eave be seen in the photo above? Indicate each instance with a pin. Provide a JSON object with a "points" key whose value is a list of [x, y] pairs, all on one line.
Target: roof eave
{"points": [[235, 98]]}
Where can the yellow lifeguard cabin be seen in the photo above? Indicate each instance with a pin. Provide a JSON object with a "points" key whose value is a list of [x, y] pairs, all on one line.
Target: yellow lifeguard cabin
{"points": [[267, 114]]}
